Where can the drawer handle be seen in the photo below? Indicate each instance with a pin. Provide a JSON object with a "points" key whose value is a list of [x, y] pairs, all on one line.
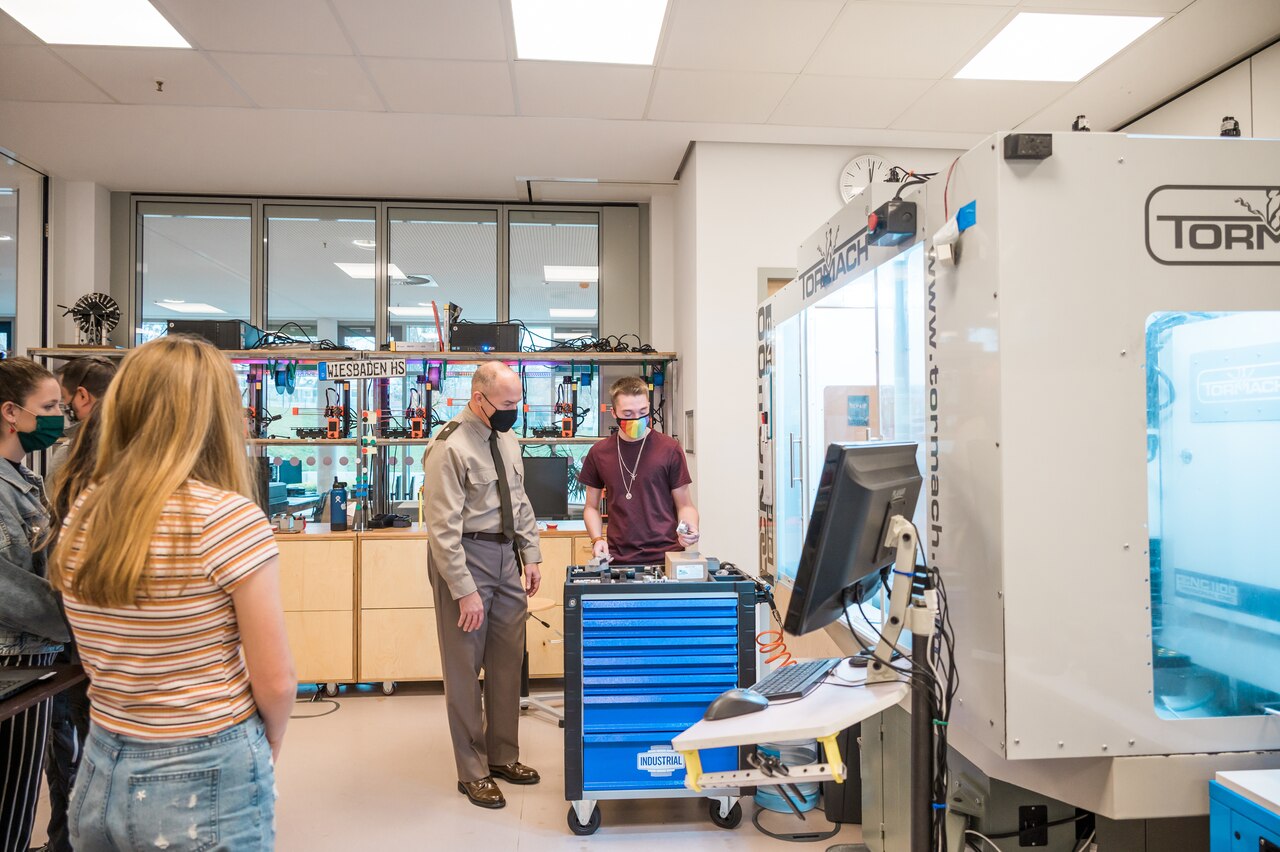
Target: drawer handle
{"points": [[555, 642]]}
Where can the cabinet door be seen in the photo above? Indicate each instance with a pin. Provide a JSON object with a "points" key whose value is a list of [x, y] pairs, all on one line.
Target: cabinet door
{"points": [[317, 575], [323, 645], [399, 644], [581, 550], [393, 574], [556, 553], [546, 647]]}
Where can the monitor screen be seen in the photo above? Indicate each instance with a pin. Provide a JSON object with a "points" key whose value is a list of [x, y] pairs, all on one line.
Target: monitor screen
{"points": [[546, 481], [862, 486]]}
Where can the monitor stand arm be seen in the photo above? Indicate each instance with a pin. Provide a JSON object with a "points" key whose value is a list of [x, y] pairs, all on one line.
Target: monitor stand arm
{"points": [[918, 616]]}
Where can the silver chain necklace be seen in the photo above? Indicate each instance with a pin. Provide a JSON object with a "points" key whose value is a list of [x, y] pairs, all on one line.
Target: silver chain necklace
{"points": [[625, 471]]}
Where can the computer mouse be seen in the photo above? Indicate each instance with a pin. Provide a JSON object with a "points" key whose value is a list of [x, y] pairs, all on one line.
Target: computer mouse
{"points": [[735, 702]]}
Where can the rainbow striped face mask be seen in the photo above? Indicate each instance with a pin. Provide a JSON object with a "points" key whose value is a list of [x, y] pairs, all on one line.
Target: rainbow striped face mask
{"points": [[634, 428]]}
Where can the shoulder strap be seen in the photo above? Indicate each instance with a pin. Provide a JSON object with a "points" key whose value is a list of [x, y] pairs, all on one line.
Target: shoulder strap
{"points": [[442, 435]]}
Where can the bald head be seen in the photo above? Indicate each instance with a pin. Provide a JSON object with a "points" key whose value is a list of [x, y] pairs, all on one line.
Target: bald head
{"points": [[494, 386]]}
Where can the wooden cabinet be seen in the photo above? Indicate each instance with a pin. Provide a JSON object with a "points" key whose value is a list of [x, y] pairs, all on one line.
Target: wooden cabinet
{"points": [[581, 549], [546, 647], [399, 644], [398, 639], [317, 591], [323, 645]]}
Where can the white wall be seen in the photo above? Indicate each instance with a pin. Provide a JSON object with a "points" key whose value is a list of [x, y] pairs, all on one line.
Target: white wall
{"points": [[79, 250], [742, 207], [1248, 91]]}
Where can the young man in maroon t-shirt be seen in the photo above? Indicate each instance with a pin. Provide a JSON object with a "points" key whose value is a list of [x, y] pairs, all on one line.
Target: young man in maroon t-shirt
{"points": [[646, 479]]}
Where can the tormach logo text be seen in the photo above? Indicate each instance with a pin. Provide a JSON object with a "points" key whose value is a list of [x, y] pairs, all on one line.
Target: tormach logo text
{"points": [[836, 259], [1214, 225]]}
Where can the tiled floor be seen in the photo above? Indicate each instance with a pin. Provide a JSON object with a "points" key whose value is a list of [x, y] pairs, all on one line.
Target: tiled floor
{"points": [[378, 774]]}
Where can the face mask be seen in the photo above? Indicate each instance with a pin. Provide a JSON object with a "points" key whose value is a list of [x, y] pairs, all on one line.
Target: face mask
{"points": [[502, 419], [69, 412], [634, 428], [49, 428]]}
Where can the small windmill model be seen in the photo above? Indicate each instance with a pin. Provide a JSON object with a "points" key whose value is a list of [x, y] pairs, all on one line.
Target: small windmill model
{"points": [[95, 314]]}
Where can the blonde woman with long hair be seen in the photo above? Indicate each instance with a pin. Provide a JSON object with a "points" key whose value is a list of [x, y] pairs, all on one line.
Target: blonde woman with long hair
{"points": [[170, 579]]}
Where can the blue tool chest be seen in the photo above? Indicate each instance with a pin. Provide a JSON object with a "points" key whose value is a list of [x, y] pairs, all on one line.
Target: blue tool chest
{"points": [[643, 659], [1237, 824]]}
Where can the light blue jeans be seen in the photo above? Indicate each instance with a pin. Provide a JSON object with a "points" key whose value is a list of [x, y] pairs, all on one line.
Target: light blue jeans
{"points": [[203, 793]]}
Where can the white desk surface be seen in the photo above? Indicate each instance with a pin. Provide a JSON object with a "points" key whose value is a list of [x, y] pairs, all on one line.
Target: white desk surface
{"points": [[1260, 786], [826, 710]]}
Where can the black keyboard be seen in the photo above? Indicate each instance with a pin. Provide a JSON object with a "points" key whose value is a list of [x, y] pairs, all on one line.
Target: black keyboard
{"points": [[795, 681]]}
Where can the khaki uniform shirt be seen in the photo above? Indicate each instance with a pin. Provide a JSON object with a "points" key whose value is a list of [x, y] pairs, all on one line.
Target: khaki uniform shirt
{"points": [[461, 486]]}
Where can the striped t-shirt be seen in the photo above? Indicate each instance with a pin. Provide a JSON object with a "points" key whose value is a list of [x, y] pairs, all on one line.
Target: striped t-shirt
{"points": [[171, 667]]}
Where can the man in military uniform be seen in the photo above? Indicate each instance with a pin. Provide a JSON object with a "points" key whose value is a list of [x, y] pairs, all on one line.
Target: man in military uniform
{"points": [[481, 528]]}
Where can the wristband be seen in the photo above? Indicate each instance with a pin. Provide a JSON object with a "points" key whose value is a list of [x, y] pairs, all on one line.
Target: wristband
{"points": [[597, 538]]}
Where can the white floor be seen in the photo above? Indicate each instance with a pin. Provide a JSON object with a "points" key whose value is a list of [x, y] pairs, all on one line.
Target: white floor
{"points": [[379, 774]]}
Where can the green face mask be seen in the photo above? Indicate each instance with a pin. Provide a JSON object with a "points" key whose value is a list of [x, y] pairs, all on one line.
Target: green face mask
{"points": [[49, 428]]}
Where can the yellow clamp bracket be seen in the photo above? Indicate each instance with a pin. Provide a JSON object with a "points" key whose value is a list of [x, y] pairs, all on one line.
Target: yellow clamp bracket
{"points": [[832, 751], [692, 770]]}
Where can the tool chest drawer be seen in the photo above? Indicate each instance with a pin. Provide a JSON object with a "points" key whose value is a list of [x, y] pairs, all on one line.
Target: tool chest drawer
{"points": [[642, 761]]}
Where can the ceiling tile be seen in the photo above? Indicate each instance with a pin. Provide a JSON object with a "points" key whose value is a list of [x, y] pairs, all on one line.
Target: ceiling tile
{"points": [[129, 75], [301, 82], [578, 90], [449, 87], [746, 35], [978, 106], [255, 26], [425, 29], [717, 96], [904, 40], [29, 73], [847, 101], [12, 32]]}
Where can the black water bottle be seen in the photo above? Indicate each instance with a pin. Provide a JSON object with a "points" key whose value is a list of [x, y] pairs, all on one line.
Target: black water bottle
{"points": [[338, 506]]}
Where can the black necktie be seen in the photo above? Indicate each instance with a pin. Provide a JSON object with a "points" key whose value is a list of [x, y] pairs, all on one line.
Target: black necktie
{"points": [[504, 489]]}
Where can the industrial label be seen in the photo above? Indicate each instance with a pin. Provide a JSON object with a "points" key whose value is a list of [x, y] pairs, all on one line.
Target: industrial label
{"points": [[352, 370], [1236, 385], [1214, 225], [660, 761]]}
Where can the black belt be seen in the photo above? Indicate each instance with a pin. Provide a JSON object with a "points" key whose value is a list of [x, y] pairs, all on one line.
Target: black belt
{"points": [[496, 538]]}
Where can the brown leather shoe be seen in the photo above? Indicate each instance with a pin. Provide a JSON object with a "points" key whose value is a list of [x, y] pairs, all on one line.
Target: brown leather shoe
{"points": [[516, 773], [484, 793]]}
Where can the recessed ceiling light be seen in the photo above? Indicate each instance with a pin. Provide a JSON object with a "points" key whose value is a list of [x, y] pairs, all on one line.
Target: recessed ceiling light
{"points": [[364, 271], [409, 311], [4, 238], [189, 307], [620, 31], [118, 23], [369, 245], [573, 274], [1054, 48], [577, 313]]}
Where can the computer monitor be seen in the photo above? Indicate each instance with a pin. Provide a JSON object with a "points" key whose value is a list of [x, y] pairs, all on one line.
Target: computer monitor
{"points": [[862, 486], [546, 481]]}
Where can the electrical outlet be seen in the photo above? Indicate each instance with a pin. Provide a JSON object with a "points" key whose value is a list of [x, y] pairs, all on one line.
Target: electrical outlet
{"points": [[1033, 825]]}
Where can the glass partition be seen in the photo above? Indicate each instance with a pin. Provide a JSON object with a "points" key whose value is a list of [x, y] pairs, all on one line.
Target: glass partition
{"points": [[1213, 425], [320, 272], [554, 260], [195, 263], [441, 256], [8, 262]]}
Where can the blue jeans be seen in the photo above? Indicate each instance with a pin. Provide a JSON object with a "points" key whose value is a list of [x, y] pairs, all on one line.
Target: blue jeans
{"points": [[203, 793]]}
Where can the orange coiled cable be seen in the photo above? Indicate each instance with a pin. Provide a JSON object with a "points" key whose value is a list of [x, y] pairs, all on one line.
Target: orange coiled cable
{"points": [[771, 642]]}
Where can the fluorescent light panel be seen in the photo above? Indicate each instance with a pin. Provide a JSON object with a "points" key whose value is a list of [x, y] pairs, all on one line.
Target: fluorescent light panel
{"points": [[622, 32], [571, 274], [117, 23], [1053, 47], [189, 307], [574, 313], [364, 271]]}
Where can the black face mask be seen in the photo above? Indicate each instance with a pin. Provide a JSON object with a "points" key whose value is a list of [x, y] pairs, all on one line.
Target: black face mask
{"points": [[502, 419]]}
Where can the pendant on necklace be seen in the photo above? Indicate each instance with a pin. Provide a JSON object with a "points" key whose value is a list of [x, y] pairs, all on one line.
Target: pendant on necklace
{"points": [[628, 495]]}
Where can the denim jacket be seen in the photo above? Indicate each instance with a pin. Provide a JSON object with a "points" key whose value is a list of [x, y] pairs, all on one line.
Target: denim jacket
{"points": [[31, 620]]}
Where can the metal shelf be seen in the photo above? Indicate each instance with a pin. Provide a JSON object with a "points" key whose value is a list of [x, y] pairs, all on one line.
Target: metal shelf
{"points": [[283, 354], [262, 442], [583, 439]]}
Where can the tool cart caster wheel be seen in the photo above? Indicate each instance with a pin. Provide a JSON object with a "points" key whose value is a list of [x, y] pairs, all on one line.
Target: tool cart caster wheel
{"points": [[388, 687], [593, 824], [730, 821], [331, 689]]}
